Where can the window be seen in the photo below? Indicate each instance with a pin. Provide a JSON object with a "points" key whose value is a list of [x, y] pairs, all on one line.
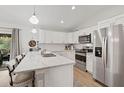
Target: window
{"points": [[5, 43]]}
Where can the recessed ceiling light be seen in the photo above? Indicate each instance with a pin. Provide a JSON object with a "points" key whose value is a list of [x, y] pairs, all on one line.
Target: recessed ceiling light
{"points": [[73, 8], [61, 21], [34, 30]]}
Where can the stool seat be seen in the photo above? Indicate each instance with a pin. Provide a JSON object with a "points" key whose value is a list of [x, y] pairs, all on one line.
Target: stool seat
{"points": [[19, 58], [22, 77]]}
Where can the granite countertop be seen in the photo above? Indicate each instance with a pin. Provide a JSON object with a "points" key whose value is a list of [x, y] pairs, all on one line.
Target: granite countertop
{"points": [[34, 61]]}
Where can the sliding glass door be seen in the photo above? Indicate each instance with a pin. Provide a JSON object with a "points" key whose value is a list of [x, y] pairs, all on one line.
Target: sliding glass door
{"points": [[5, 43]]}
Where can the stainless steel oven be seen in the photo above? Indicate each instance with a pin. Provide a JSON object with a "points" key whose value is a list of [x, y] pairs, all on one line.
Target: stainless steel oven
{"points": [[80, 58]]}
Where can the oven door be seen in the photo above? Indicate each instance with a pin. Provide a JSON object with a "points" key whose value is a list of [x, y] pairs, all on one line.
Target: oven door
{"points": [[80, 58]]}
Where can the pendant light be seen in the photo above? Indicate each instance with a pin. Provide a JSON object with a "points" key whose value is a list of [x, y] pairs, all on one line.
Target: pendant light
{"points": [[73, 7], [62, 22], [33, 19], [34, 31]]}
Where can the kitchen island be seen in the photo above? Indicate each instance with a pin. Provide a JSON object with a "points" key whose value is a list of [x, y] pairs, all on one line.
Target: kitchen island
{"points": [[56, 71]]}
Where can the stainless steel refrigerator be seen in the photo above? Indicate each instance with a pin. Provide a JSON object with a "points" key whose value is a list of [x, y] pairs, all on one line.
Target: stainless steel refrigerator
{"points": [[108, 65]]}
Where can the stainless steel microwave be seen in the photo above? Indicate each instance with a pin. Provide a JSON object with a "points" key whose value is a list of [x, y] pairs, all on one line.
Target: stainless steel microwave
{"points": [[85, 39]]}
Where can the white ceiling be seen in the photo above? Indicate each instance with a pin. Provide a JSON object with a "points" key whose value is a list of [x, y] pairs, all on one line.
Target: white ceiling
{"points": [[50, 16]]}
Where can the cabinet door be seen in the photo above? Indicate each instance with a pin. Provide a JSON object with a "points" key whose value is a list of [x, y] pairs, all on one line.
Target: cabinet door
{"points": [[56, 38], [89, 62], [63, 38], [49, 37], [52, 37], [75, 36], [41, 36], [69, 38]]}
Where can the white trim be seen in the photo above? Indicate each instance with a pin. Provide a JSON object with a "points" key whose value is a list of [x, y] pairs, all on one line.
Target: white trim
{"points": [[5, 31]]}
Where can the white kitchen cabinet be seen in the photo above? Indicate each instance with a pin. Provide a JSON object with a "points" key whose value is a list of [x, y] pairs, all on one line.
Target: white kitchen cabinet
{"points": [[75, 36], [41, 34], [64, 38], [67, 37], [53, 37], [57, 37], [89, 62], [49, 37], [70, 37], [57, 76]]}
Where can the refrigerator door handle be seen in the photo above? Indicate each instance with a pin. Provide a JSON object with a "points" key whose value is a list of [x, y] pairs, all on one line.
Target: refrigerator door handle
{"points": [[105, 52], [103, 48]]}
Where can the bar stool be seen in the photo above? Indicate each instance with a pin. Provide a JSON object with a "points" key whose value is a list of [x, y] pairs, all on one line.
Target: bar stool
{"points": [[23, 55], [23, 79], [19, 58]]}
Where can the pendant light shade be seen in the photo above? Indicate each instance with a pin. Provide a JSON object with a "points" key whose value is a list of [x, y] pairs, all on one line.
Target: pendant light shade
{"points": [[33, 19], [73, 8], [34, 30]]}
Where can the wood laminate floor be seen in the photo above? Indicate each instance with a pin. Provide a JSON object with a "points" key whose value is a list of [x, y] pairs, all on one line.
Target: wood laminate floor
{"points": [[85, 78]]}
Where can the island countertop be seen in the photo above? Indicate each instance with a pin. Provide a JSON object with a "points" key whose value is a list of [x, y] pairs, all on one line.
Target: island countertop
{"points": [[34, 61]]}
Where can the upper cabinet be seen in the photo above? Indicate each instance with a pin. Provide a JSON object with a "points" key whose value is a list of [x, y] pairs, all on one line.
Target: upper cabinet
{"points": [[41, 36], [69, 37], [58, 37], [49, 37], [52, 37], [75, 36], [63, 37]]}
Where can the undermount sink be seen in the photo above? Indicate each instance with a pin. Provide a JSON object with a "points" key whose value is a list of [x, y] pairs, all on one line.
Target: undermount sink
{"points": [[49, 55]]}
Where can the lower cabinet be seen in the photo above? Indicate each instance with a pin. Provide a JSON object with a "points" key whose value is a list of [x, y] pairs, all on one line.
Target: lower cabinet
{"points": [[89, 62], [56, 76]]}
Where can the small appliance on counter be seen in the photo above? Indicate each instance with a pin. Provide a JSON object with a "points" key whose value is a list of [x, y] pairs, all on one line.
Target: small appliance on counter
{"points": [[69, 47]]}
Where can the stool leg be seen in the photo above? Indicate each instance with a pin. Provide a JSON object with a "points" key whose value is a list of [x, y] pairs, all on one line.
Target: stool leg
{"points": [[33, 81]]}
